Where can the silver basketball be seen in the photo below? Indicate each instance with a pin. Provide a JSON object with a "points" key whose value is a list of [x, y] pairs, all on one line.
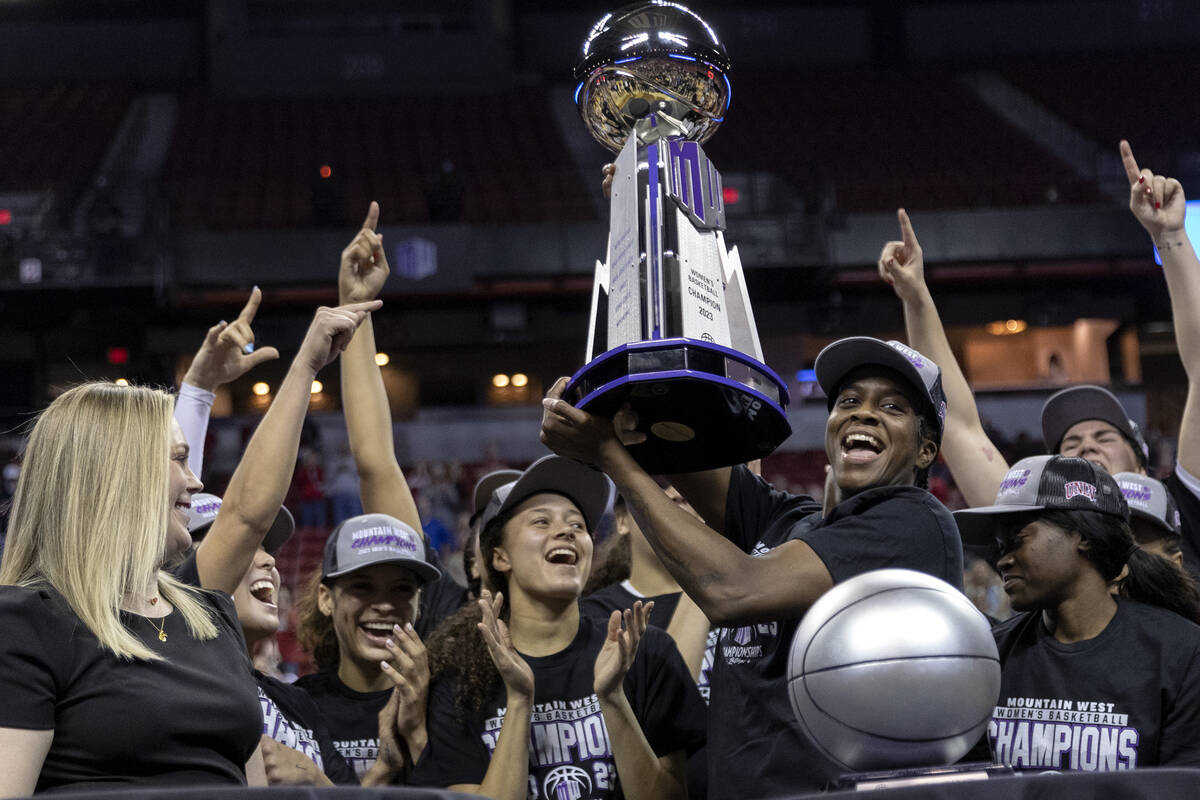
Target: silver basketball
{"points": [[892, 669]]}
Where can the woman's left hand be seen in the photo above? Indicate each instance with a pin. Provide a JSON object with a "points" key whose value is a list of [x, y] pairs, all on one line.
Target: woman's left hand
{"points": [[620, 647], [409, 670]]}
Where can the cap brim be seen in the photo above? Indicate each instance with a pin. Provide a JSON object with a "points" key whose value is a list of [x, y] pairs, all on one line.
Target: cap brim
{"points": [[426, 572], [977, 526], [490, 483], [588, 488], [281, 530], [842, 357]]}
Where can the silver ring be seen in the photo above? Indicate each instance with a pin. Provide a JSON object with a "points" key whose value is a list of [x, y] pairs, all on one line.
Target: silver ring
{"points": [[249, 348]]}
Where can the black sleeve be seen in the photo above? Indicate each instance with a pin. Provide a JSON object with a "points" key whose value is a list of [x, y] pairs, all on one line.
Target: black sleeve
{"points": [[455, 753], [1180, 744], [33, 648], [899, 531], [599, 604], [752, 504], [664, 696], [439, 599]]}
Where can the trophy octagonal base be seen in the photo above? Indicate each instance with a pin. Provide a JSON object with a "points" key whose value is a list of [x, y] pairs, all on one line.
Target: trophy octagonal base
{"points": [[700, 405]]}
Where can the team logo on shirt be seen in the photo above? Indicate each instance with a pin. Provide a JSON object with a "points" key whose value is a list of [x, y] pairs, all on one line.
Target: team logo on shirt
{"points": [[1061, 733], [1080, 489], [566, 783]]}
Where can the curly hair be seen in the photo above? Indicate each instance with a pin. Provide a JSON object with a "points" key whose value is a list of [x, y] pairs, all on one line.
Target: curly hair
{"points": [[457, 648], [314, 629]]}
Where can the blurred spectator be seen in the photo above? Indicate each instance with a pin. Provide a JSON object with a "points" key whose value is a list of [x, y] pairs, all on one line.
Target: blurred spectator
{"points": [[309, 485], [342, 487]]}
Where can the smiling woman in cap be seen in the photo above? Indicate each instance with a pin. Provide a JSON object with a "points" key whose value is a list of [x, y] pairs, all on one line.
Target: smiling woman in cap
{"points": [[356, 617], [493, 711], [1119, 675], [760, 558]]}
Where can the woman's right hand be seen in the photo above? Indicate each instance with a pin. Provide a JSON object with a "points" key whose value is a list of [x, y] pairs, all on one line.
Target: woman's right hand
{"points": [[902, 263], [514, 671]]}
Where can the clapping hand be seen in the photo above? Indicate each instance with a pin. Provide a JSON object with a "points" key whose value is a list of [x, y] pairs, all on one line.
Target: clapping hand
{"points": [[620, 647], [513, 669]]}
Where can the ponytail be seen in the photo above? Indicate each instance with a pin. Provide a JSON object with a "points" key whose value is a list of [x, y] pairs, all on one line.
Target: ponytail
{"points": [[1156, 581]]}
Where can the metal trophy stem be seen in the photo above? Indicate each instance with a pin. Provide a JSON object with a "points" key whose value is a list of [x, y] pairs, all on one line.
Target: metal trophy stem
{"points": [[672, 332]]}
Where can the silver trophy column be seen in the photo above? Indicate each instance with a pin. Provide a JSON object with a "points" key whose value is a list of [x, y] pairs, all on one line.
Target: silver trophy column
{"points": [[672, 331]]}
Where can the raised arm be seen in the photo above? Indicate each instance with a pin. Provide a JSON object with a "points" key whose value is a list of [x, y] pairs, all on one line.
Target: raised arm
{"points": [[226, 354], [643, 775], [261, 479], [1158, 203], [729, 586], [976, 464], [382, 484]]}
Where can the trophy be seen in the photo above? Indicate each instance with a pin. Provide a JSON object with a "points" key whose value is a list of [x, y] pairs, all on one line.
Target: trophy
{"points": [[672, 332]]}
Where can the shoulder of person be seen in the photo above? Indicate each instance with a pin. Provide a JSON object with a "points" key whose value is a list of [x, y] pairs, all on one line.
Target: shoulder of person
{"points": [[740, 477], [315, 682], [604, 600], [1162, 622], [893, 500], [34, 607]]}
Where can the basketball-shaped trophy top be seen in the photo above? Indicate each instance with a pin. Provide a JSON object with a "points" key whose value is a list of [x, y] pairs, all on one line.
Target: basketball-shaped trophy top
{"points": [[648, 57]]}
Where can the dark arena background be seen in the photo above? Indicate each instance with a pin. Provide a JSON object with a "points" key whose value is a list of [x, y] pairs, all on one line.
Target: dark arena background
{"points": [[160, 159]]}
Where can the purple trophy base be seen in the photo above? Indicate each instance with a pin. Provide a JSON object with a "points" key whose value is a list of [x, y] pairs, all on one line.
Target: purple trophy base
{"points": [[701, 405]]}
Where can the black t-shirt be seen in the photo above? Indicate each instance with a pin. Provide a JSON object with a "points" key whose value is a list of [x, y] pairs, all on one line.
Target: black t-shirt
{"points": [[439, 599], [291, 718], [352, 717], [1189, 518], [620, 596], [1127, 698], [569, 754], [192, 719], [752, 722], [289, 715]]}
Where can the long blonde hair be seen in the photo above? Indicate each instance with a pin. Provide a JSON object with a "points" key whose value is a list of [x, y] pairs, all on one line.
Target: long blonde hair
{"points": [[90, 512]]}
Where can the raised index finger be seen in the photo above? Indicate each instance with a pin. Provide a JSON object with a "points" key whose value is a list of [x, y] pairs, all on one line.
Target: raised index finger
{"points": [[1131, 167], [251, 307], [906, 229], [372, 219]]}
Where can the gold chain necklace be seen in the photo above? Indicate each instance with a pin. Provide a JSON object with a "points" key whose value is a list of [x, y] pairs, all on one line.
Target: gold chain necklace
{"points": [[162, 625]]}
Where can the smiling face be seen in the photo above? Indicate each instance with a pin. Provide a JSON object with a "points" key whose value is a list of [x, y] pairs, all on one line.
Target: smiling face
{"points": [[871, 436], [545, 551], [256, 598], [182, 484], [1040, 564], [364, 605], [1101, 443]]}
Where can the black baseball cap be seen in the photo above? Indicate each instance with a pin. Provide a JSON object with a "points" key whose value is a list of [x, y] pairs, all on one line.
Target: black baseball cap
{"points": [[588, 488], [844, 356], [203, 512], [1078, 403], [1044, 483]]}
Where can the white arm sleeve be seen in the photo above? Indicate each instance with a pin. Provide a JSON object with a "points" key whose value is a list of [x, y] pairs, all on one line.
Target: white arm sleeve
{"points": [[192, 409]]}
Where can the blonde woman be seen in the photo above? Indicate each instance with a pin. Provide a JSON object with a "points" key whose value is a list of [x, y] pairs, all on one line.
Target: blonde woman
{"points": [[114, 673]]}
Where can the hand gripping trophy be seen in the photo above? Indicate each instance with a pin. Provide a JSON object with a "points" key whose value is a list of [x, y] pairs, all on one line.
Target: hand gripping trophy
{"points": [[672, 332]]}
